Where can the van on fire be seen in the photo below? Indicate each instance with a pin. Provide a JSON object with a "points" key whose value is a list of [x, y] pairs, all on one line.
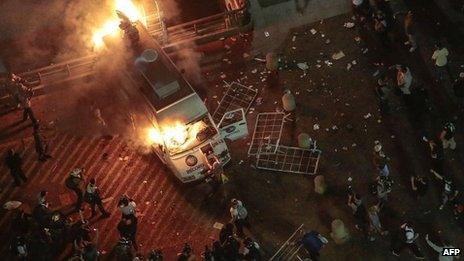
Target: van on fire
{"points": [[184, 131]]}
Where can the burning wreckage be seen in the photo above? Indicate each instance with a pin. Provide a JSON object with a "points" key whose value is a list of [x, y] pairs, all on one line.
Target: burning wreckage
{"points": [[183, 134]]}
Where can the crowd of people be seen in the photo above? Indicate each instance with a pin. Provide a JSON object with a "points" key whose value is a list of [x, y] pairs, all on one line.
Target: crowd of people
{"points": [[412, 96]]}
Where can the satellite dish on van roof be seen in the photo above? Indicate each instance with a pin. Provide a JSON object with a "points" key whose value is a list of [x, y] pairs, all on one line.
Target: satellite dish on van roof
{"points": [[150, 55]]}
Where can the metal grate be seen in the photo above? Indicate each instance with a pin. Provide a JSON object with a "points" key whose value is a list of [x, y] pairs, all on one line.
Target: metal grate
{"points": [[290, 159], [237, 96], [290, 249], [268, 130]]}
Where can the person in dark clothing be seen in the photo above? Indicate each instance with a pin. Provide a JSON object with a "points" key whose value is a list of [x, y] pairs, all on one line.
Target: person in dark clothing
{"points": [[92, 196], [436, 156], [21, 222], [217, 251], [74, 182], [226, 232], [458, 88], [231, 248], [251, 250], [313, 242], [419, 185], [13, 161], [406, 238], [381, 28], [155, 255], [40, 147], [127, 228], [20, 248], [186, 254], [359, 212]]}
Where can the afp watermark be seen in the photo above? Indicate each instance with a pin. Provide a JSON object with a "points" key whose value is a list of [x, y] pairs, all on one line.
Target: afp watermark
{"points": [[451, 251]]}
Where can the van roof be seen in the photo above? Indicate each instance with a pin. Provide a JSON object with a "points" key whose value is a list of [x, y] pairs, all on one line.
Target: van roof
{"points": [[165, 84]]}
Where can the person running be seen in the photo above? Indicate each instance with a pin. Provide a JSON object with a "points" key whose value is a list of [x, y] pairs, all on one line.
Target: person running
{"points": [[239, 215], [407, 238], [40, 147], [447, 136], [92, 196], [14, 161], [75, 182]]}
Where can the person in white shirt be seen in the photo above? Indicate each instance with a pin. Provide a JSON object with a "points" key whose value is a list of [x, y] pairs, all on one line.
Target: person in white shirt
{"points": [[439, 249], [440, 57], [239, 215], [127, 207]]}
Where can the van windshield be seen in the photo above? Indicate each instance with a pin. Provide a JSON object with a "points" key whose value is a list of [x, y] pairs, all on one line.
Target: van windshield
{"points": [[191, 135]]}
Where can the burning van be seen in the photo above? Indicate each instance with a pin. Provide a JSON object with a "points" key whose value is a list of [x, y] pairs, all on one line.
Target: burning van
{"points": [[183, 131]]}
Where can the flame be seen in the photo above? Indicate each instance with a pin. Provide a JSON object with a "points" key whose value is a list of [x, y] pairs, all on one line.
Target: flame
{"points": [[111, 27], [176, 136]]}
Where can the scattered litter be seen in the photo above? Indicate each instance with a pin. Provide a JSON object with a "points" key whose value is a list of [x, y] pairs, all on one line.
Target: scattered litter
{"points": [[365, 50], [245, 55], [354, 62], [349, 25], [392, 136], [259, 100], [376, 73], [357, 39], [10, 205], [344, 148], [313, 31], [147, 202], [334, 127], [367, 116], [215, 97], [379, 121], [293, 47], [303, 66], [266, 33], [328, 63], [293, 38], [316, 126], [260, 60], [350, 179], [354, 145], [240, 162], [144, 182], [322, 35], [318, 65], [223, 76], [338, 55], [348, 66], [254, 71], [327, 41], [218, 225]]}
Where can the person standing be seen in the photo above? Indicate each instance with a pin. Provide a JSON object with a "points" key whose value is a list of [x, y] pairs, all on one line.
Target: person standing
{"points": [[383, 189], [186, 254], [214, 174], [356, 204], [447, 136], [42, 199], [239, 215], [419, 185], [375, 227], [92, 196], [439, 249], [14, 161], [380, 160], [40, 147], [407, 238], [74, 182], [404, 81], [410, 30], [440, 57], [251, 250], [127, 207], [381, 28]]}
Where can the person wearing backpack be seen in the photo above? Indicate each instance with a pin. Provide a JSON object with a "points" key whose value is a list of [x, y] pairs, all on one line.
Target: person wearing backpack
{"points": [[239, 216], [74, 182]]}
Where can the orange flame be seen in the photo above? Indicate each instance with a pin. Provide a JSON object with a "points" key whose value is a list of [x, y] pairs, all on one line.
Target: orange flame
{"points": [[111, 27], [177, 136]]}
